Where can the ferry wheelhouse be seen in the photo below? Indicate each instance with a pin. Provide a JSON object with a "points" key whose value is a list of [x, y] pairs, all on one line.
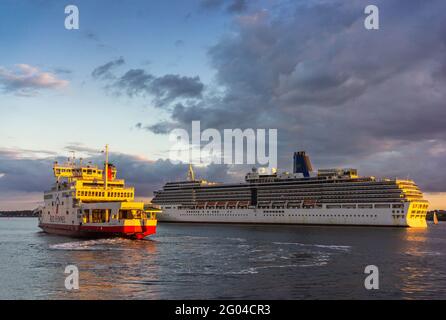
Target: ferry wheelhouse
{"points": [[88, 201]]}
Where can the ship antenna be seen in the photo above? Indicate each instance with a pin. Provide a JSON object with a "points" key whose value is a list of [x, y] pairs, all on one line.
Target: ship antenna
{"points": [[73, 153], [190, 174]]}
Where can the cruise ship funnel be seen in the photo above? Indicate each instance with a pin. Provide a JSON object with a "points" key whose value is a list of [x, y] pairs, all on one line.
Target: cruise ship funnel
{"points": [[302, 164]]}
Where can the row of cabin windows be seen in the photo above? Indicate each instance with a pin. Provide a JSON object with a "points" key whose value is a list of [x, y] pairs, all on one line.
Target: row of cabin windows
{"points": [[104, 194], [419, 211], [190, 213], [87, 171], [420, 206], [351, 206], [216, 214], [104, 215]]}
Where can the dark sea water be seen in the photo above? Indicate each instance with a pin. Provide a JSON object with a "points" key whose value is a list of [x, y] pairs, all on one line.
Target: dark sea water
{"points": [[208, 261]]}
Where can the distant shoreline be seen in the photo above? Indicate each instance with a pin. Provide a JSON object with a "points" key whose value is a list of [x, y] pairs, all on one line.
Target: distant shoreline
{"points": [[441, 214], [18, 214]]}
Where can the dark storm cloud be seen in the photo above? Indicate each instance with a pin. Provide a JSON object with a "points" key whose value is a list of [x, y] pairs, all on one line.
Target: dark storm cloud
{"points": [[169, 87], [150, 176], [343, 93], [33, 174], [134, 82], [163, 89], [104, 71], [23, 174]]}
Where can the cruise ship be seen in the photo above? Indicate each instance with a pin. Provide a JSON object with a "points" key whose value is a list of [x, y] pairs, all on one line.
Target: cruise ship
{"points": [[89, 201], [326, 197]]}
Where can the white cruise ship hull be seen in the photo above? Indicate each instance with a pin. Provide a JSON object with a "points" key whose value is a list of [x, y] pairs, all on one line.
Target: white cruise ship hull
{"points": [[322, 216]]}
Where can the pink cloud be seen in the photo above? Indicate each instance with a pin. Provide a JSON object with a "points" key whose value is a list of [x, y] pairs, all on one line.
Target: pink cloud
{"points": [[26, 80]]}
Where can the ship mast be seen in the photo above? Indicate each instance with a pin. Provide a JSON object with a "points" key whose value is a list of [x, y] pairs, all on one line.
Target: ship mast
{"points": [[106, 166], [190, 174]]}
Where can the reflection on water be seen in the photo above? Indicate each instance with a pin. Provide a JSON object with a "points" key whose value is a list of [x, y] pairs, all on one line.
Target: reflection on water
{"points": [[109, 268], [199, 261], [421, 271]]}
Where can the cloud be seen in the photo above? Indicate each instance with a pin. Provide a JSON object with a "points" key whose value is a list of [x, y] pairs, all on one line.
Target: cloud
{"points": [[345, 94], [27, 80], [179, 43], [21, 174], [103, 71], [231, 6], [211, 4], [24, 174], [138, 82], [237, 6], [170, 87], [60, 70], [79, 147], [91, 36], [159, 128]]}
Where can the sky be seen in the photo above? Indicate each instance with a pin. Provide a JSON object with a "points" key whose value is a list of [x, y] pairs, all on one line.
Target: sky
{"points": [[134, 70]]}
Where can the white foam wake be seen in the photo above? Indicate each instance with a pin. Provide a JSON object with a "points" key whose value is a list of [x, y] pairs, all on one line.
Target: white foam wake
{"points": [[99, 244], [333, 247]]}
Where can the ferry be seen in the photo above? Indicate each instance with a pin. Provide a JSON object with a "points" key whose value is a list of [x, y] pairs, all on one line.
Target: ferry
{"points": [[88, 201], [337, 196]]}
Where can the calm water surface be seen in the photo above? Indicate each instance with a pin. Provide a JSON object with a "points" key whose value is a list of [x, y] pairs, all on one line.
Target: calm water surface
{"points": [[208, 261]]}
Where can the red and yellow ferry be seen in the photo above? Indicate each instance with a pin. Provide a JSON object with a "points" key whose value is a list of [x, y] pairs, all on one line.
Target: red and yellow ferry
{"points": [[88, 201]]}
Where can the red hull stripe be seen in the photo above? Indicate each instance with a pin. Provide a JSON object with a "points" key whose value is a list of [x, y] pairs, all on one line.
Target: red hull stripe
{"points": [[124, 231]]}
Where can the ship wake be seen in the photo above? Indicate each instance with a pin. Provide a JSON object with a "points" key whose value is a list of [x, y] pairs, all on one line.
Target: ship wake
{"points": [[90, 245]]}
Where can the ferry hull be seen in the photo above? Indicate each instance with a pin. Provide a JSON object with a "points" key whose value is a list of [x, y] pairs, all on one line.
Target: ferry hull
{"points": [[131, 232]]}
